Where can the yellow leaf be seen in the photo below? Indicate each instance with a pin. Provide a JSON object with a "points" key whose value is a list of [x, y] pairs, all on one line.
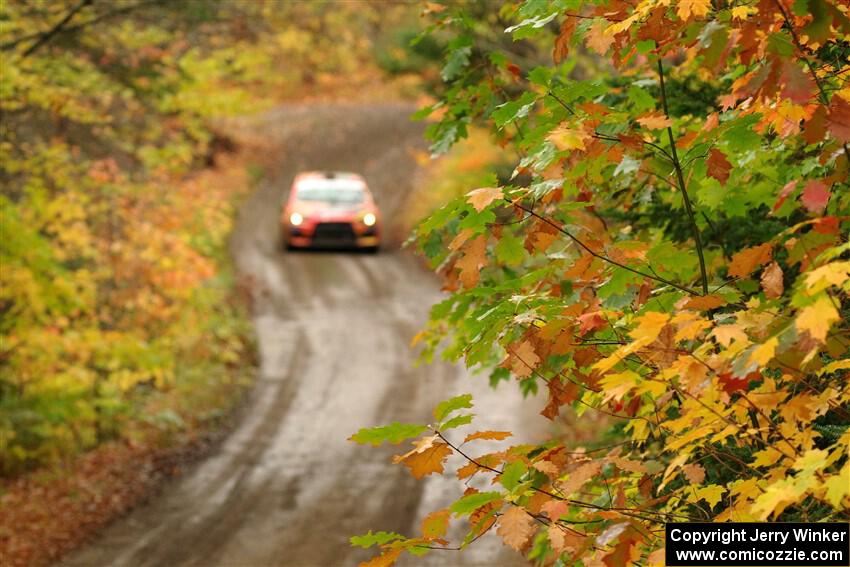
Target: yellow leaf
{"points": [[711, 494], [690, 8], [566, 138], [777, 497], [835, 273], [811, 461], [838, 486], [481, 198], [766, 457], [743, 12], [615, 386], [818, 318], [764, 352], [649, 326]]}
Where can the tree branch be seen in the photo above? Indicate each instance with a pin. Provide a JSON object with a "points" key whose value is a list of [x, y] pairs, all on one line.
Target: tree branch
{"points": [[48, 35], [681, 178], [592, 252]]}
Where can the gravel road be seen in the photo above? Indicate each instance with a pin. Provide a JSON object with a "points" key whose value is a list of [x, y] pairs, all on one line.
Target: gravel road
{"points": [[286, 488]]}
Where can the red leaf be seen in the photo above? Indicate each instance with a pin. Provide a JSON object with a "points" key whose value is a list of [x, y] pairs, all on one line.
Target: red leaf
{"points": [[718, 166], [731, 383], [815, 196], [797, 85], [789, 187]]}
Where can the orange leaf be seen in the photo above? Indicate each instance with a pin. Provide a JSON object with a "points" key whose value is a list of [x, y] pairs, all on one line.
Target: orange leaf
{"points": [[385, 559], [562, 42], [771, 281], [745, 261], [690, 8], [597, 39], [426, 458], [655, 121], [516, 527], [473, 260], [489, 435], [481, 198], [704, 302], [523, 359]]}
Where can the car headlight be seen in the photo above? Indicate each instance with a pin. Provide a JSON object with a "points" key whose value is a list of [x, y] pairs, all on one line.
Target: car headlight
{"points": [[369, 219], [296, 219]]}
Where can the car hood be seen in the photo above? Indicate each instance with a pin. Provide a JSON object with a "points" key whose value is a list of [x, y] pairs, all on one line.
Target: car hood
{"points": [[315, 209]]}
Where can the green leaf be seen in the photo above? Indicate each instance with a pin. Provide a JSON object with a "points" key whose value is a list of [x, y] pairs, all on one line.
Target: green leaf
{"points": [[446, 407], [512, 474], [457, 421], [394, 433], [378, 538], [510, 249], [472, 502]]}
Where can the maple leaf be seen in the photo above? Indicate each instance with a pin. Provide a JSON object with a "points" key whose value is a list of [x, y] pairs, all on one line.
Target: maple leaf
{"points": [[474, 258], [655, 121], [580, 476], [426, 457], [772, 281], [436, 524], [817, 318], [488, 435], [732, 383], [798, 85], [482, 197], [687, 9], [597, 39], [565, 138], [704, 302], [385, 559], [838, 119], [516, 527], [562, 42], [649, 326], [694, 473], [711, 494], [523, 359], [718, 166], [815, 196], [747, 260]]}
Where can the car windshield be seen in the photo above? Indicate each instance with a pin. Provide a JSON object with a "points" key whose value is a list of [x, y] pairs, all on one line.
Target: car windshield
{"points": [[331, 192]]}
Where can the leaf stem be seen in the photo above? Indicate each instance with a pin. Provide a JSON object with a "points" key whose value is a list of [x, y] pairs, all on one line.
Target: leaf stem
{"points": [[681, 178]]}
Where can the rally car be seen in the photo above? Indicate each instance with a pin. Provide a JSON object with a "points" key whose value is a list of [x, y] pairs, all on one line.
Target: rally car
{"points": [[330, 210]]}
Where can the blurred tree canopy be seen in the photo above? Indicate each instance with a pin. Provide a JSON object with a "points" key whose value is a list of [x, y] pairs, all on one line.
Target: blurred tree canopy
{"points": [[115, 283]]}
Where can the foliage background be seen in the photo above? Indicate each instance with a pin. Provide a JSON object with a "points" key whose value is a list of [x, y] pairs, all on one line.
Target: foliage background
{"points": [[669, 252]]}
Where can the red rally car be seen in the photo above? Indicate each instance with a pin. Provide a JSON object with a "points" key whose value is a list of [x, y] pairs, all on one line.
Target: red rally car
{"points": [[331, 210]]}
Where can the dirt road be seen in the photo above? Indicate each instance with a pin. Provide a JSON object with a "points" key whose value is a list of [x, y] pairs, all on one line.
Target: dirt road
{"points": [[286, 488]]}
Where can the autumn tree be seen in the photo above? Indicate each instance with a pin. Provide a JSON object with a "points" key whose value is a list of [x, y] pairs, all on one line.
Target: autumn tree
{"points": [[670, 252]]}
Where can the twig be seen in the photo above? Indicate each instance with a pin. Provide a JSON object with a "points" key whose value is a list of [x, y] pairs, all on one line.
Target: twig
{"points": [[595, 254], [48, 35], [680, 176]]}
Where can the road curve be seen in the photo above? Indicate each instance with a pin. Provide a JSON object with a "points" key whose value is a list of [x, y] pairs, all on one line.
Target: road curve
{"points": [[286, 488]]}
